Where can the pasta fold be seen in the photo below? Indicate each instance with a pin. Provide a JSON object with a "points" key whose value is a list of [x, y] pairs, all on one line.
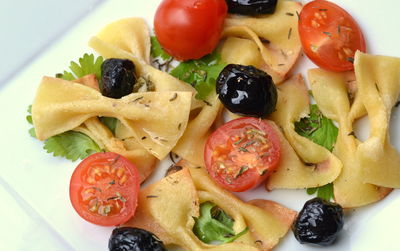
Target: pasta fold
{"points": [[322, 166], [378, 79], [275, 36]]}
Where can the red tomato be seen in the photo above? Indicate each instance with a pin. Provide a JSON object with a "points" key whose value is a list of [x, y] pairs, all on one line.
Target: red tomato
{"points": [[329, 35], [189, 29], [104, 189], [242, 153]]}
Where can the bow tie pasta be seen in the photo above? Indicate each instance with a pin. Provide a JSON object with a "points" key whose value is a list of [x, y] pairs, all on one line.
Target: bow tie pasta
{"points": [[268, 42], [180, 195]]}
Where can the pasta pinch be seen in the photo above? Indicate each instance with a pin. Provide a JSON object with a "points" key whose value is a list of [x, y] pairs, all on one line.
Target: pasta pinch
{"points": [[350, 190], [61, 106], [275, 36], [180, 195], [322, 166], [191, 145], [378, 79]]}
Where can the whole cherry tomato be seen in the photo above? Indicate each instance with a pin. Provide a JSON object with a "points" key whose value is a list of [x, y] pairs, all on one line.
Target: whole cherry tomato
{"points": [[189, 29]]}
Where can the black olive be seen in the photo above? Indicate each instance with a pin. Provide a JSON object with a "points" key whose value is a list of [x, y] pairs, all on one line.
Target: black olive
{"points": [[134, 239], [117, 77], [246, 90], [319, 222], [251, 7]]}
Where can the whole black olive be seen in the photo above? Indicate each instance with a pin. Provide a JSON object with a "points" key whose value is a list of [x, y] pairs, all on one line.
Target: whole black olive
{"points": [[319, 222], [117, 77], [251, 7], [134, 239], [246, 90]]}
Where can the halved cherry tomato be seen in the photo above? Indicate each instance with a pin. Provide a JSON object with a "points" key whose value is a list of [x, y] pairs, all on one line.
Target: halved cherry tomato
{"points": [[189, 29], [104, 189], [329, 35], [242, 153]]}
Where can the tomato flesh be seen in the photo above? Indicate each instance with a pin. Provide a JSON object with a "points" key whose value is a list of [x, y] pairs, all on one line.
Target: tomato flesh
{"points": [[189, 29], [329, 35], [104, 189], [242, 153]]}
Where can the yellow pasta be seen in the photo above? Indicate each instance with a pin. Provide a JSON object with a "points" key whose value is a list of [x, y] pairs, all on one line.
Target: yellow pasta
{"points": [[293, 104], [329, 90], [152, 117], [275, 37], [183, 191], [378, 79]]}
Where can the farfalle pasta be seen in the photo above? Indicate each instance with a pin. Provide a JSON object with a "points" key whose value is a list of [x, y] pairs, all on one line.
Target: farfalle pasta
{"points": [[271, 42], [304, 164], [353, 187], [181, 194]]}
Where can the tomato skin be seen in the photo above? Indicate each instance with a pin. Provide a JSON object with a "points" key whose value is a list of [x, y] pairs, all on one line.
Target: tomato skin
{"points": [[189, 29], [234, 144], [330, 36], [100, 178]]}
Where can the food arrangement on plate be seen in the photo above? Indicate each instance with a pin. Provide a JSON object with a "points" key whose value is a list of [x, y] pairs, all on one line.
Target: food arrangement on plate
{"points": [[218, 92]]}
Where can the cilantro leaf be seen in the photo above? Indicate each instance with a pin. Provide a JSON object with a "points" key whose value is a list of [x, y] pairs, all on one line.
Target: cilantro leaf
{"points": [[321, 131], [318, 128], [325, 192], [201, 73], [214, 225], [71, 145], [87, 65], [157, 50]]}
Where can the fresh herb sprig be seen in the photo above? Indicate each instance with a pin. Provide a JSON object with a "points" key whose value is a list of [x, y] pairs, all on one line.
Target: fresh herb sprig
{"points": [[318, 128], [321, 131], [214, 225], [88, 64], [200, 73]]}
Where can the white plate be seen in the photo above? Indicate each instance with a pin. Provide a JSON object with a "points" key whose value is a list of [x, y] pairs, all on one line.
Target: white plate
{"points": [[39, 182]]}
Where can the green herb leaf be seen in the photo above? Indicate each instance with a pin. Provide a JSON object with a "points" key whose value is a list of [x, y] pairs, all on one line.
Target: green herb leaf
{"points": [[321, 131], [201, 73], [29, 119], [214, 225], [324, 192], [110, 122], [318, 128], [71, 145], [87, 65], [157, 50]]}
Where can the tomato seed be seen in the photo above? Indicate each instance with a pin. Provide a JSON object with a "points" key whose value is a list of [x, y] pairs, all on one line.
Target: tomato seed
{"points": [[123, 179]]}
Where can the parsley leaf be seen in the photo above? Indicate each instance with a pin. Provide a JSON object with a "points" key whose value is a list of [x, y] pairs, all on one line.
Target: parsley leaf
{"points": [[201, 73], [321, 131], [325, 192], [214, 225], [318, 128], [87, 65], [71, 145], [157, 50]]}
